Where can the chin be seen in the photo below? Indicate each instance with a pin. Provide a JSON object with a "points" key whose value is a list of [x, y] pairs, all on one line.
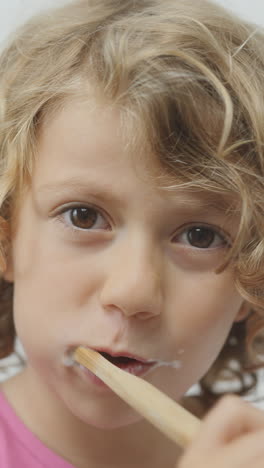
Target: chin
{"points": [[100, 414], [114, 422]]}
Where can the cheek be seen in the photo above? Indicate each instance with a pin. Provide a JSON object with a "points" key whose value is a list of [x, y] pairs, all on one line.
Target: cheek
{"points": [[56, 297], [199, 325], [204, 302], [200, 343], [212, 311], [46, 273]]}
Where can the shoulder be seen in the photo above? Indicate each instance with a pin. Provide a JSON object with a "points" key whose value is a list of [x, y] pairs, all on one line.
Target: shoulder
{"points": [[7, 439], [14, 446]]}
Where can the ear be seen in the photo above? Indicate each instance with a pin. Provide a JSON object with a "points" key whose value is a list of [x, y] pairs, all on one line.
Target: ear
{"points": [[243, 312], [6, 262]]}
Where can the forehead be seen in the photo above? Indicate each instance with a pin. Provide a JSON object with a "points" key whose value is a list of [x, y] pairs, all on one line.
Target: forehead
{"points": [[78, 126], [85, 141], [91, 136]]}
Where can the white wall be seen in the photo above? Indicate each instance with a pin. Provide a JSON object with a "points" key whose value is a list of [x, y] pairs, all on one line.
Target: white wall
{"points": [[251, 10], [14, 12]]}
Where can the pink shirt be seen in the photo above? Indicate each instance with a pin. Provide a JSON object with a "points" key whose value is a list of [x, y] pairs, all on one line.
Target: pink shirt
{"points": [[20, 448]]}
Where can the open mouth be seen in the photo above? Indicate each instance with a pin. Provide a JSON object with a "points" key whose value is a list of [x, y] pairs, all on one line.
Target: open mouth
{"points": [[120, 361], [131, 364]]}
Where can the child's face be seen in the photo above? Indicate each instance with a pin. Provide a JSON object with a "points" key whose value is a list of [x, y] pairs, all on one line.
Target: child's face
{"points": [[105, 259]]}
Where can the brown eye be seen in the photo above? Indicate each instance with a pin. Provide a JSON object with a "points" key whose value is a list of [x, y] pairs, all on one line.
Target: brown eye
{"points": [[201, 237], [83, 218], [86, 218]]}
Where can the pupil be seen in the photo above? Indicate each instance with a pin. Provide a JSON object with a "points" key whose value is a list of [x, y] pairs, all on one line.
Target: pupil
{"points": [[201, 237], [83, 218]]}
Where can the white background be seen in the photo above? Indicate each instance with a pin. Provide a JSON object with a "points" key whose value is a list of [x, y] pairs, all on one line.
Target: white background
{"points": [[14, 12]]}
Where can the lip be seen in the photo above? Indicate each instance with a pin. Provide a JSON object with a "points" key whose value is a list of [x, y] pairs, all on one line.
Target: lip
{"points": [[139, 367]]}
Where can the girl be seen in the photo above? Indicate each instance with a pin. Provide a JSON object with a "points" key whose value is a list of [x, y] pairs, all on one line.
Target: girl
{"points": [[132, 223]]}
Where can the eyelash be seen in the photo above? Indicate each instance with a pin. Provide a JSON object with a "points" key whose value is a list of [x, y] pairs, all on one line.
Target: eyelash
{"points": [[226, 241], [70, 209], [223, 237]]}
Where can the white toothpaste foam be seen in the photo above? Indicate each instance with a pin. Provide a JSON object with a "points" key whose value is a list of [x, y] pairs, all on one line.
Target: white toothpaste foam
{"points": [[68, 361], [175, 364]]}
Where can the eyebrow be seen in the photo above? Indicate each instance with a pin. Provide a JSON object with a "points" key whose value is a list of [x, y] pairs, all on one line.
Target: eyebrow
{"points": [[77, 187], [189, 201]]}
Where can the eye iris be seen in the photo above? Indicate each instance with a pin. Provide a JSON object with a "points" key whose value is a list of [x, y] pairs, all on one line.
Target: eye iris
{"points": [[83, 218], [201, 237]]}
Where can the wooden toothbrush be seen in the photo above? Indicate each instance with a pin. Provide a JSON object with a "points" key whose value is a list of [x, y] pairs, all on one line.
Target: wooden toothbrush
{"points": [[165, 414]]}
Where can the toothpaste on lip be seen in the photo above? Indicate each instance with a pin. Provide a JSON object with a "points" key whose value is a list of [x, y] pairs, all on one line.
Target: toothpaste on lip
{"points": [[69, 361], [175, 364]]}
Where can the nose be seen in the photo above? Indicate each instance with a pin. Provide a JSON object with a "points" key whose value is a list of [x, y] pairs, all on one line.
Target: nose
{"points": [[133, 281]]}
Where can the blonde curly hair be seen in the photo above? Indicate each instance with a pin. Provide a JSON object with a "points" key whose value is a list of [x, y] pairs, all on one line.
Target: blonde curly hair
{"points": [[188, 79]]}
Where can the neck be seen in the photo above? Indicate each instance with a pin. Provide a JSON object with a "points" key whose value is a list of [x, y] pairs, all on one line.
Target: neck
{"points": [[138, 444]]}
